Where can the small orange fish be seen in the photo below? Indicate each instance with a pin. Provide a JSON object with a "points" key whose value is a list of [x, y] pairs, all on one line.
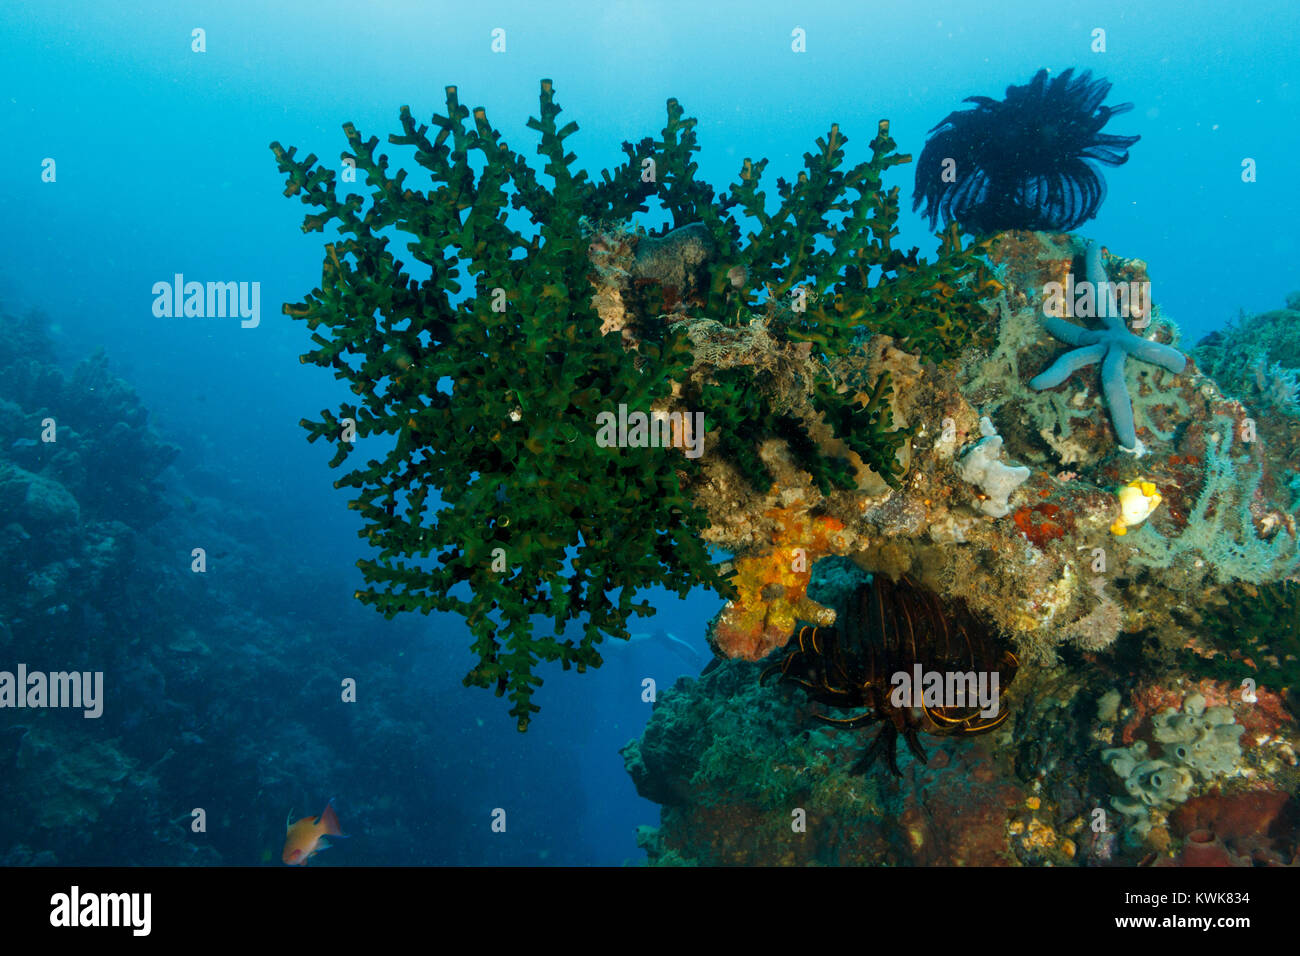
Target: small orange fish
{"points": [[306, 838]]}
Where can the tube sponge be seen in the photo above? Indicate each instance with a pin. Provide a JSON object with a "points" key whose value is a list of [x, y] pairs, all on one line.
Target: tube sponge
{"points": [[1205, 741], [1196, 745]]}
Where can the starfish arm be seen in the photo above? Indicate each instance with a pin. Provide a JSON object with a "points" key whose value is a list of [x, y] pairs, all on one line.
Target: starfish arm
{"points": [[1070, 333], [1156, 353], [1115, 390], [1067, 365], [1096, 273]]}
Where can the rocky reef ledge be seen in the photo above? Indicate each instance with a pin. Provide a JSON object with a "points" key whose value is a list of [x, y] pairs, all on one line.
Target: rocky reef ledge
{"points": [[1134, 588]]}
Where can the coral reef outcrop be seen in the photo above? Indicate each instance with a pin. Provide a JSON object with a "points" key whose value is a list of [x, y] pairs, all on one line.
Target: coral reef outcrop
{"points": [[840, 391], [1115, 631], [1052, 570]]}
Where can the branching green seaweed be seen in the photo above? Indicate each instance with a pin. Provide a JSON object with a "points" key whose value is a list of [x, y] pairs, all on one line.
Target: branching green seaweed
{"points": [[485, 379]]}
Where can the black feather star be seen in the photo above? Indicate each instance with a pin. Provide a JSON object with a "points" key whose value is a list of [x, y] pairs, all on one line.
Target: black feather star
{"points": [[1025, 162]]}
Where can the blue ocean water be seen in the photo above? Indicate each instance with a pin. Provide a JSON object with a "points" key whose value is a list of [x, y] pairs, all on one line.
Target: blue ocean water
{"points": [[163, 168]]}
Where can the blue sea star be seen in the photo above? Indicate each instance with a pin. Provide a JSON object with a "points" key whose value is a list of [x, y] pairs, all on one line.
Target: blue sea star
{"points": [[1111, 346]]}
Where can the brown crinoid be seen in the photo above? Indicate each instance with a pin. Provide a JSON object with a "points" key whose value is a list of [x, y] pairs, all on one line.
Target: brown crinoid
{"points": [[914, 661]]}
